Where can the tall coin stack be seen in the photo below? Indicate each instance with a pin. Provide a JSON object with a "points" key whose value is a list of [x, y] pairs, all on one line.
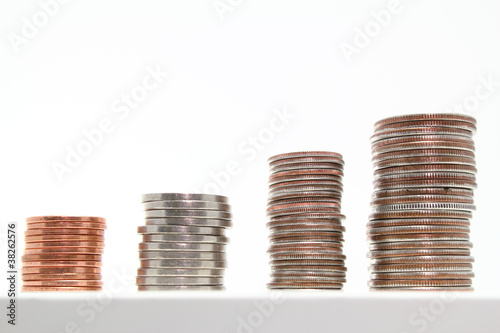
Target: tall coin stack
{"points": [[425, 174], [63, 253], [183, 242], [306, 232]]}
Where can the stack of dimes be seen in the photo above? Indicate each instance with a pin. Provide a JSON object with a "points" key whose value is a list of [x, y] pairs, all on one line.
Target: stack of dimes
{"points": [[425, 174], [184, 242], [306, 232], [63, 253]]}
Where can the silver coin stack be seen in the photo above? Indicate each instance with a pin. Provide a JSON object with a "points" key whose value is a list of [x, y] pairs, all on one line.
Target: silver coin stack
{"points": [[306, 232], [425, 174], [184, 242]]}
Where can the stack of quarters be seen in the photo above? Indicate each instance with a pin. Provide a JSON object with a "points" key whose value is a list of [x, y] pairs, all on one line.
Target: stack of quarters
{"points": [[425, 174], [305, 223]]}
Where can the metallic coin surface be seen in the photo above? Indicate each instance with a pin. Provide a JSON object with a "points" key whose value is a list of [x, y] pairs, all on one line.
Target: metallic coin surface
{"points": [[441, 267], [43, 277], [209, 214], [181, 230], [66, 218], [201, 255], [186, 204], [182, 263], [54, 263], [180, 272], [176, 238], [186, 288], [188, 221], [64, 232], [63, 283], [183, 196], [59, 289], [178, 280]]}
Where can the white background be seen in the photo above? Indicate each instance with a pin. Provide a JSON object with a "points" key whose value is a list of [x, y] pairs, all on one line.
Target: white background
{"points": [[226, 76]]}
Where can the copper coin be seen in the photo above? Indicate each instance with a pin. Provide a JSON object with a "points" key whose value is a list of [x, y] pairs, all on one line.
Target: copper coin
{"points": [[423, 191], [331, 227], [437, 130], [328, 223], [410, 214], [66, 218], [316, 246], [305, 250], [308, 279], [312, 274], [411, 146], [426, 116], [306, 172], [430, 289], [305, 178], [65, 250], [302, 194], [421, 275], [418, 252], [307, 256], [42, 277], [65, 225], [420, 283], [419, 245], [424, 160], [301, 205], [423, 153], [63, 283], [423, 260], [301, 166], [298, 267], [421, 138], [302, 285], [305, 200], [419, 237], [453, 267], [334, 191], [422, 199], [466, 125], [417, 222], [60, 270], [287, 184], [63, 238], [61, 263], [304, 154], [62, 257], [313, 216], [64, 232], [63, 289], [311, 238], [307, 233], [64, 244]]}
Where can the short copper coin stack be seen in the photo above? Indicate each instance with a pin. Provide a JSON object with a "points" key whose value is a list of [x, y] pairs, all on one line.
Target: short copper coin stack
{"points": [[305, 223], [63, 253], [425, 175], [183, 242]]}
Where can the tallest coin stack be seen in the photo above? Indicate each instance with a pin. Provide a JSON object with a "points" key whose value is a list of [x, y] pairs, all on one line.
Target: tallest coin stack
{"points": [[425, 174]]}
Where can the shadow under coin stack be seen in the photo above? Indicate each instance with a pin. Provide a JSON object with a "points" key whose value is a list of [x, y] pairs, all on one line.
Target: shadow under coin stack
{"points": [[63, 253], [184, 242], [306, 232], [425, 174]]}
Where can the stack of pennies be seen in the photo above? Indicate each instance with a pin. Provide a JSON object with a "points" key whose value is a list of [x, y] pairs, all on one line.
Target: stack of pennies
{"points": [[305, 223], [425, 175], [63, 253], [183, 242]]}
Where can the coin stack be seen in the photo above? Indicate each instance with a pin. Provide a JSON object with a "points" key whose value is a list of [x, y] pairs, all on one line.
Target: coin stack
{"points": [[306, 232], [63, 253], [184, 242], [425, 174]]}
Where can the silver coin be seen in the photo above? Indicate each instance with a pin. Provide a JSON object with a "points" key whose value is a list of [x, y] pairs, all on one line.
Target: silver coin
{"points": [[422, 199], [202, 255], [426, 205], [305, 286], [186, 204], [417, 245], [178, 280], [170, 238], [422, 145], [309, 178], [423, 260], [421, 275], [188, 221], [183, 196], [307, 243], [305, 226], [321, 273], [308, 268], [418, 252], [302, 194], [435, 289], [416, 229], [316, 217], [180, 272], [211, 247], [466, 267], [307, 279], [179, 229], [423, 153], [173, 288], [307, 256], [208, 214], [182, 263], [418, 237]]}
